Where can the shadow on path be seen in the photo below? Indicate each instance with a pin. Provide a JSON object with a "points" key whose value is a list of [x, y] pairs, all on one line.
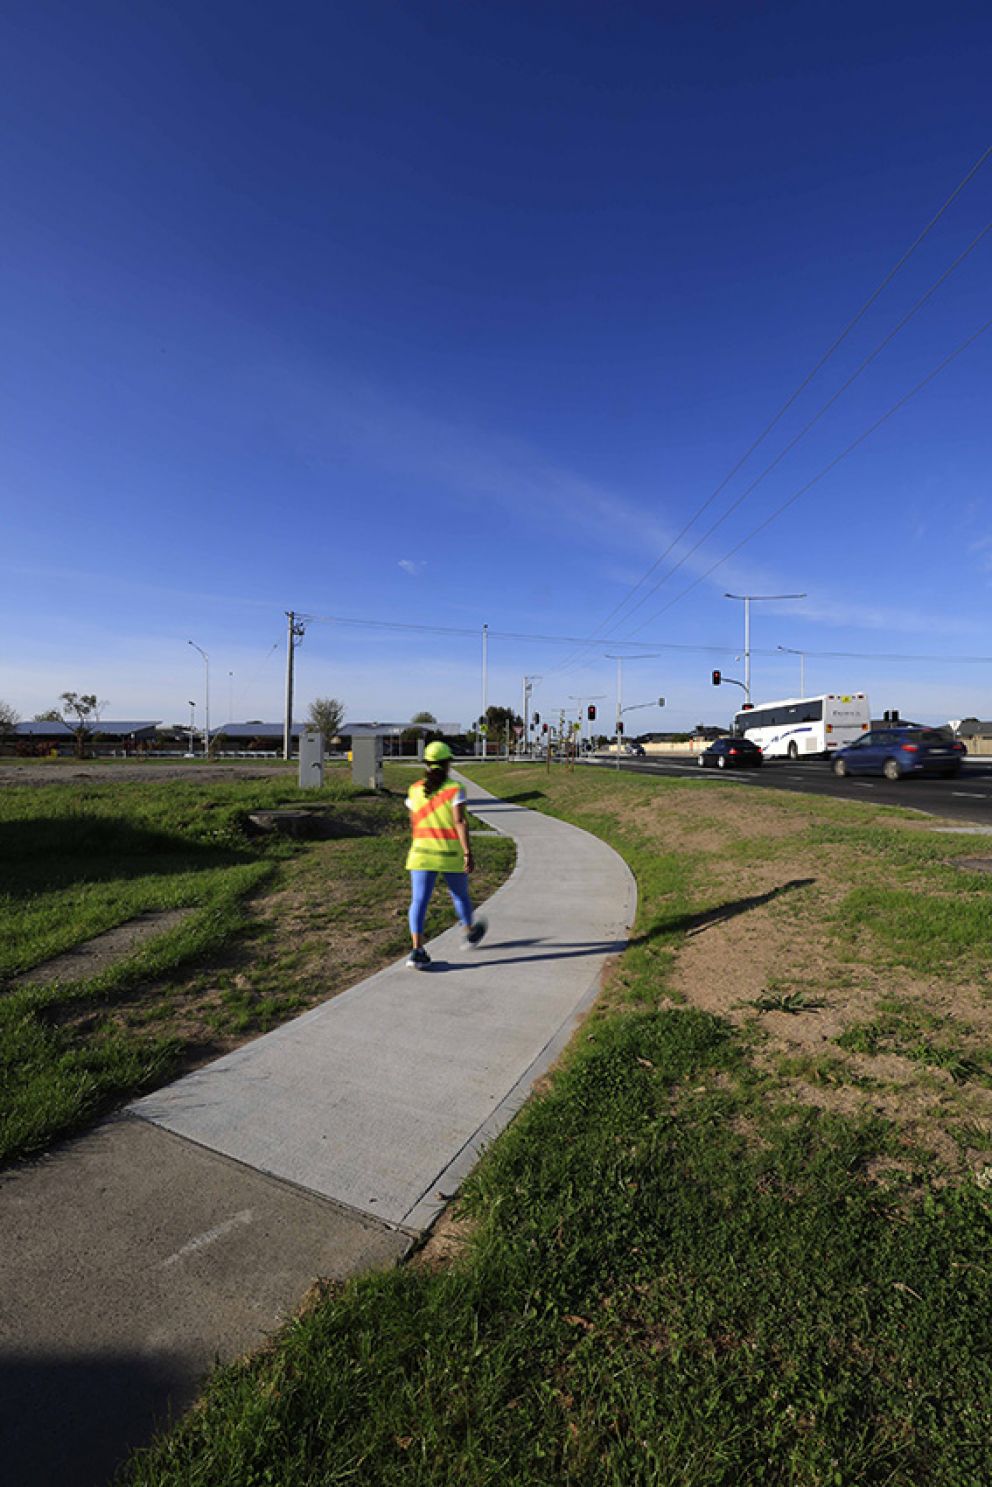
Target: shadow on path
{"points": [[71, 1421]]}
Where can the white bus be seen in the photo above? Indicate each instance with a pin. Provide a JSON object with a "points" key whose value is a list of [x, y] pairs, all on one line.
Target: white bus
{"points": [[805, 727]]}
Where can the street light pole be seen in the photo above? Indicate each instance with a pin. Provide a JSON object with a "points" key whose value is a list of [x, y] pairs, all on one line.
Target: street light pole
{"points": [[762, 599], [527, 689], [192, 724], [206, 726], [650, 656], [802, 665]]}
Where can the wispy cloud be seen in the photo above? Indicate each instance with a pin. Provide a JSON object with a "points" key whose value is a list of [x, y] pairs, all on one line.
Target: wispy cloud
{"points": [[411, 566]]}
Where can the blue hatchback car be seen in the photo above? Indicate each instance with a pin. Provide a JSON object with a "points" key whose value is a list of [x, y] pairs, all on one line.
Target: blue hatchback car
{"points": [[897, 751]]}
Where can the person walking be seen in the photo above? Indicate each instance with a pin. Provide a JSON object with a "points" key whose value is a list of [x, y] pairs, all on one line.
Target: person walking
{"points": [[440, 844]]}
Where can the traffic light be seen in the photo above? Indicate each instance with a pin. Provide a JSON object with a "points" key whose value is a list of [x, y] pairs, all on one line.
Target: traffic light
{"points": [[537, 719], [591, 715], [717, 678], [620, 726], [544, 727]]}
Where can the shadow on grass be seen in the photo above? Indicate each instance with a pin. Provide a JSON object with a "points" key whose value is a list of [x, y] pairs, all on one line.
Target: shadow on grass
{"points": [[51, 852], [694, 924]]}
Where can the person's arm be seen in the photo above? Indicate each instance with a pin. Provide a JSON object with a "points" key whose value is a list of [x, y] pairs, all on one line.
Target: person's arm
{"points": [[461, 826]]}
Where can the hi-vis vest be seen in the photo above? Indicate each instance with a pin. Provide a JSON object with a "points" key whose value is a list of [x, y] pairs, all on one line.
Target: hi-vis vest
{"points": [[435, 847]]}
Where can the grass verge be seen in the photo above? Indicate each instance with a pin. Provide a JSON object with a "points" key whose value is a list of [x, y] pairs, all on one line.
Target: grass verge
{"points": [[275, 926], [675, 1271]]}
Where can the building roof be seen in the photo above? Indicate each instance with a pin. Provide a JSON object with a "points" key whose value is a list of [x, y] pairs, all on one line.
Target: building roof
{"points": [[250, 730], [383, 730], [106, 728]]}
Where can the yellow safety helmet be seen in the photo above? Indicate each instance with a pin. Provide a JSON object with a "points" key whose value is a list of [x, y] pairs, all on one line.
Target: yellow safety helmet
{"points": [[436, 752]]}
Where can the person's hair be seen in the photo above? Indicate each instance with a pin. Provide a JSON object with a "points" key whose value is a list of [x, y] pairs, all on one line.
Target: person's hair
{"points": [[437, 773]]}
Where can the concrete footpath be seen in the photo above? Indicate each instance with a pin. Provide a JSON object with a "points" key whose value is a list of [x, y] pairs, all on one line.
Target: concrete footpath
{"points": [[184, 1230]]}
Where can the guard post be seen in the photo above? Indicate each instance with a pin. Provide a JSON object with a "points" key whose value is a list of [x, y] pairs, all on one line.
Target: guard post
{"points": [[311, 760]]}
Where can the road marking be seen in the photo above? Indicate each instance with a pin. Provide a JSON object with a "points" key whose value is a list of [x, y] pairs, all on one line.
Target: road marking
{"points": [[209, 1236], [969, 795]]}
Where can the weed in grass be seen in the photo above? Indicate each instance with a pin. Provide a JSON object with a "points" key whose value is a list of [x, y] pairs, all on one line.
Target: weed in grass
{"points": [[792, 1001]]}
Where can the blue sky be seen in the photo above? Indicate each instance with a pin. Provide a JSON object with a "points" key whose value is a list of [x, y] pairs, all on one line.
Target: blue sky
{"points": [[447, 314]]}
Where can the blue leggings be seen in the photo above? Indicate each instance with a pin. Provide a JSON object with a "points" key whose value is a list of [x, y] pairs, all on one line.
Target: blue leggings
{"points": [[422, 886]]}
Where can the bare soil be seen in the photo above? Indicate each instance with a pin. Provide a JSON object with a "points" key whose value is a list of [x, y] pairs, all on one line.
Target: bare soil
{"points": [[770, 936], [100, 953]]}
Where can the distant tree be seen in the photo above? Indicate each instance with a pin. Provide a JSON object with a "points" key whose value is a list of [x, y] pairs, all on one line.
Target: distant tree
{"points": [[498, 719], [424, 717], [84, 710], [8, 719], [327, 714], [51, 716]]}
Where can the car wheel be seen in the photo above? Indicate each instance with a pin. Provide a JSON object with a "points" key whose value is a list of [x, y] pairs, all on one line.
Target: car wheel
{"points": [[793, 751], [721, 761], [890, 769], [840, 768]]}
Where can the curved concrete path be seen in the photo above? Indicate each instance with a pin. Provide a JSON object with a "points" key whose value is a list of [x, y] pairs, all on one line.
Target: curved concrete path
{"points": [[381, 1098], [183, 1231]]}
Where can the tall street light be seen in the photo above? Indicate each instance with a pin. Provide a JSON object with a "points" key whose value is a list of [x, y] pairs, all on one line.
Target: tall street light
{"points": [[802, 665], [206, 729], [748, 600], [192, 725], [650, 656]]}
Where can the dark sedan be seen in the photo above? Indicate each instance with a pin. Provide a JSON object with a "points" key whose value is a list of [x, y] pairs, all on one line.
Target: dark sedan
{"points": [[895, 752], [730, 753]]}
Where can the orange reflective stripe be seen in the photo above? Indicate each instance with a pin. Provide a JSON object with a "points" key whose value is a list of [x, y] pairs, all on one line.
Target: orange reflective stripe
{"points": [[441, 798], [437, 833]]}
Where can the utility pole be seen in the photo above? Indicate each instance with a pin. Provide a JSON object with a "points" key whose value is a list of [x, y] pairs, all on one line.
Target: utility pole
{"points": [[485, 684], [294, 635], [528, 686]]}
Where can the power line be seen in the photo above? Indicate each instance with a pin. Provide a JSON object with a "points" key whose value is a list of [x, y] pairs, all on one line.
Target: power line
{"points": [[797, 391], [825, 471], [876, 351], [668, 645]]}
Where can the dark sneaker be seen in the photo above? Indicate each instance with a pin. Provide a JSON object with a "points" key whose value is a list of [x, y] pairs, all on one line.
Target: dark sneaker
{"points": [[475, 933], [418, 960]]}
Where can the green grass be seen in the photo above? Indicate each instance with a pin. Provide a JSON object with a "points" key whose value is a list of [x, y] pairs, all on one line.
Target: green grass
{"points": [[78, 859], [649, 1297], [925, 932], [673, 1277]]}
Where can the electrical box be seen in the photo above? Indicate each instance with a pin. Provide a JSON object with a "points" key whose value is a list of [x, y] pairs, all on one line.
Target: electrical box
{"points": [[366, 763], [311, 761]]}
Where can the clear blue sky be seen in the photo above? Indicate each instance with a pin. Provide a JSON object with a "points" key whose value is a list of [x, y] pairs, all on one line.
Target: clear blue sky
{"points": [[451, 313]]}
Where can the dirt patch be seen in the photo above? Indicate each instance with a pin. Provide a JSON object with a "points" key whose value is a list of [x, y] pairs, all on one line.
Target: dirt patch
{"points": [[446, 1243], [111, 771], [768, 957], [99, 954]]}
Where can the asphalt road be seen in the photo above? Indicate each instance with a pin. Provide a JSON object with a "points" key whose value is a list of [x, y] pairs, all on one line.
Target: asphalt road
{"points": [[967, 798]]}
